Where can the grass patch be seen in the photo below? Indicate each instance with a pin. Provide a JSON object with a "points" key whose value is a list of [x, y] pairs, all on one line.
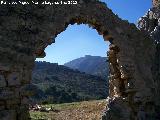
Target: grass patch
{"points": [[38, 115], [86, 110]]}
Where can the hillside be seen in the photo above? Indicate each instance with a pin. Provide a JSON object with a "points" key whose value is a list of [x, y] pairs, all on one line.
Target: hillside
{"points": [[94, 65], [86, 110], [57, 84]]}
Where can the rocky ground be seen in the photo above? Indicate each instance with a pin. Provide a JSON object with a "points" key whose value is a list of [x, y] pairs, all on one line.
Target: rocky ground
{"points": [[87, 110]]}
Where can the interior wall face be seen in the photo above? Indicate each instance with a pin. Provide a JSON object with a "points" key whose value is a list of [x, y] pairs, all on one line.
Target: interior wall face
{"points": [[27, 30], [156, 3]]}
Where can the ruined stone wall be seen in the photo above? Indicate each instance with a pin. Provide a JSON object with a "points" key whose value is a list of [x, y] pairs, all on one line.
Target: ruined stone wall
{"points": [[150, 23], [155, 2], [27, 30]]}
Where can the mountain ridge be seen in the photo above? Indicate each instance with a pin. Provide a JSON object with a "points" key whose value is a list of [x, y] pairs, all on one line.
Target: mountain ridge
{"points": [[95, 65]]}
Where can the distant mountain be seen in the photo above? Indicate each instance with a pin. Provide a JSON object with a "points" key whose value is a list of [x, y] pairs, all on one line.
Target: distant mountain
{"points": [[62, 84], [94, 65]]}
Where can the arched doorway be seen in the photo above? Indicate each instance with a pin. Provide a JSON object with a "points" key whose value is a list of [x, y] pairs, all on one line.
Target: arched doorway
{"points": [[76, 42]]}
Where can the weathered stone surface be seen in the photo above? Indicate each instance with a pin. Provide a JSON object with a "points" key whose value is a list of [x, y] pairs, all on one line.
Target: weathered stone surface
{"points": [[25, 101], [156, 3], [2, 81], [2, 105], [118, 110], [6, 94], [151, 99], [13, 104], [23, 112], [26, 76], [155, 34], [26, 32], [8, 115], [5, 67], [14, 79]]}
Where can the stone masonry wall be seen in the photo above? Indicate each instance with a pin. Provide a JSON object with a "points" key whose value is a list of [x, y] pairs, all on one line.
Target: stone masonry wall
{"points": [[150, 23], [26, 30], [156, 2]]}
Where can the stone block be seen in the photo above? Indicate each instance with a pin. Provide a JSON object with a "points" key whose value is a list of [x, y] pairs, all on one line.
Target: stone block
{"points": [[6, 94], [26, 78], [2, 105], [25, 100], [12, 104], [4, 67], [14, 107], [16, 92], [8, 115], [13, 79], [2, 81], [23, 113], [156, 3]]}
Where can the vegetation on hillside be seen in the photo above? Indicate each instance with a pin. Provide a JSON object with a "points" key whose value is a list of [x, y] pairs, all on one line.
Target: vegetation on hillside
{"points": [[55, 83]]}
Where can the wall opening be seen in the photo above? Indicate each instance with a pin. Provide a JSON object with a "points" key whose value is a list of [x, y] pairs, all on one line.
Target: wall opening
{"points": [[76, 41], [80, 72]]}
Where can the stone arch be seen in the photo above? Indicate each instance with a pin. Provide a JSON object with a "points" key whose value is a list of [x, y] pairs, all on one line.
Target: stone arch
{"points": [[31, 27], [96, 14]]}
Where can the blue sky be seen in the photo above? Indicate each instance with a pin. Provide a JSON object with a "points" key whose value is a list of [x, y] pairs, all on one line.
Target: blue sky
{"points": [[80, 40]]}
